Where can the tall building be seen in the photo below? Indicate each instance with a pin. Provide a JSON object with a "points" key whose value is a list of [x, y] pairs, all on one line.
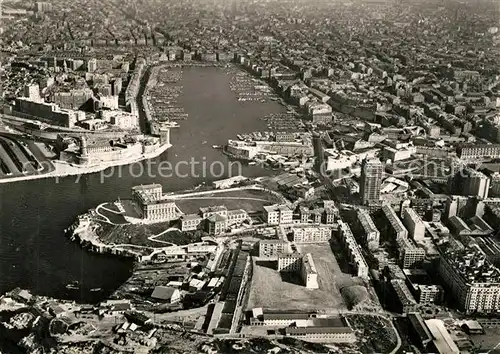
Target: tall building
{"points": [[370, 181], [470, 182], [390, 225], [43, 6], [393, 228]]}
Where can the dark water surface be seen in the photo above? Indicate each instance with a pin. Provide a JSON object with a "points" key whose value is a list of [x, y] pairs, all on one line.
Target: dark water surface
{"points": [[35, 254]]}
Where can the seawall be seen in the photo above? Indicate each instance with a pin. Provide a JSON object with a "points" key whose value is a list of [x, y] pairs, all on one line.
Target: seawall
{"points": [[64, 169]]}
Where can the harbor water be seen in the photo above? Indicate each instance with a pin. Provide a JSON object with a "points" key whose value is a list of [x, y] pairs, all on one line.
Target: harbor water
{"points": [[34, 252]]}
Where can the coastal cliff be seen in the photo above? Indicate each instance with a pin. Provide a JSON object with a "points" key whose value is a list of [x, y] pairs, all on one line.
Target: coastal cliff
{"points": [[84, 231]]}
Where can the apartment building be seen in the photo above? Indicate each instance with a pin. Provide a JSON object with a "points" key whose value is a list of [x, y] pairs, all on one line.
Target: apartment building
{"points": [[309, 273], [422, 288], [272, 248], [302, 264], [353, 250], [405, 299], [479, 152], [469, 182], [471, 279], [410, 254], [372, 172], [278, 214], [327, 215], [414, 224], [428, 294], [371, 235], [289, 262], [394, 227], [311, 234], [49, 112]]}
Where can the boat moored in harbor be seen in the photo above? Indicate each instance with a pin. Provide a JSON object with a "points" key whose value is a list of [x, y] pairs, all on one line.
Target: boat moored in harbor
{"points": [[74, 285]]}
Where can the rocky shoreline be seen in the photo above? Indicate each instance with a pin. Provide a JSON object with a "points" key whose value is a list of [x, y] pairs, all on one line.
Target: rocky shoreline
{"points": [[81, 231]]}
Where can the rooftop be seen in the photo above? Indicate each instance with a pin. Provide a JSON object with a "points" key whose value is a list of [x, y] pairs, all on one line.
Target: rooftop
{"points": [[276, 207], [393, 219], [286, 316], [273, 241], [413, 215], [290, 255], [163, 292], [308, 263], [353, 245], [366, 221], [314, 329], [442, 338], [213, 209], [419, 325], [191, 217], [472, 265], [402, 291], [216, 218], [489, 246], [147, 187]]}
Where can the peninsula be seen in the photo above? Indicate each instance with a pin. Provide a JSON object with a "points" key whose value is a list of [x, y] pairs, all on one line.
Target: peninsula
{"points": [[226, 259]]}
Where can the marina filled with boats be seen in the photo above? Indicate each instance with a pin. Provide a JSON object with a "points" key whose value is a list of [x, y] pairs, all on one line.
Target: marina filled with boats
{"points": [[161, 96], [248, 88]]}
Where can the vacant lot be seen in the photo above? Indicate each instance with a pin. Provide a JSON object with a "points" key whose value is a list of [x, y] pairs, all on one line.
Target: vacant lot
{"points": [[327, 265], [273, 291], [249, 200]]}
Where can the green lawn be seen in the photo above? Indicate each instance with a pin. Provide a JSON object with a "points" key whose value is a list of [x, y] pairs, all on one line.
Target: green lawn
{"points": [[249, 200]]}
